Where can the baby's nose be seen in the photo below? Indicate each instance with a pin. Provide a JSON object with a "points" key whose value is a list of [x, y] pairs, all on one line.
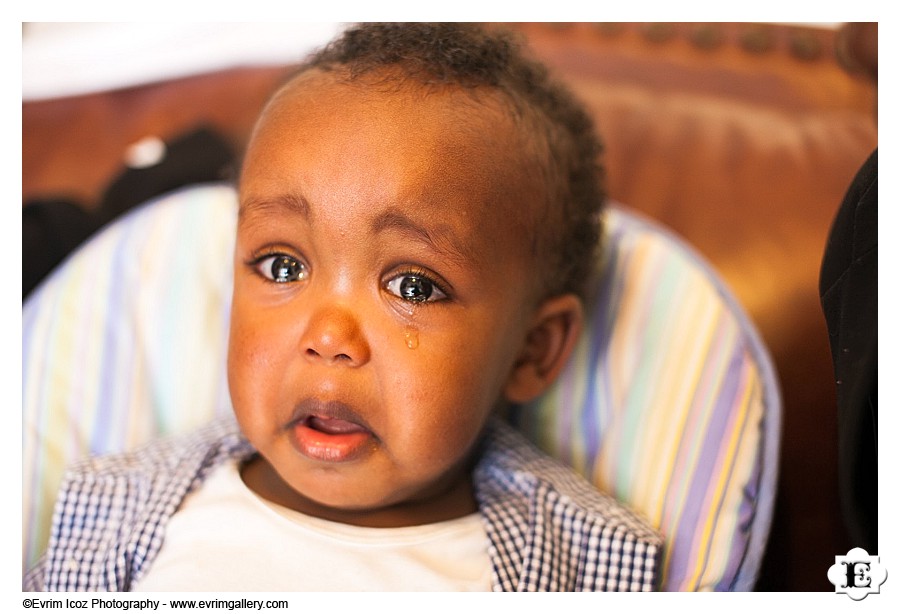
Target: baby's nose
{"points": [[334, 336]]}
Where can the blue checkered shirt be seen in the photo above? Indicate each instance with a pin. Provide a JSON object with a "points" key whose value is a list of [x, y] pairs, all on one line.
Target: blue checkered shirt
{"points": [[549, 530]]}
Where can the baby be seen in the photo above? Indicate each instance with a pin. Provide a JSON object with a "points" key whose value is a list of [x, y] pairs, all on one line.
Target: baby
{"points": [[418, 215]]}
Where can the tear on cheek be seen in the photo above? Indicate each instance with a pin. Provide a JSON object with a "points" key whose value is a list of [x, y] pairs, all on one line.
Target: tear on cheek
{"points": [[412, 337]]}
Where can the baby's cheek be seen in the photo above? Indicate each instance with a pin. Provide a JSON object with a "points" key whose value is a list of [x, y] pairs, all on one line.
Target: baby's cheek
{"points": [[253, 336], [252, 392], [249, 363]]}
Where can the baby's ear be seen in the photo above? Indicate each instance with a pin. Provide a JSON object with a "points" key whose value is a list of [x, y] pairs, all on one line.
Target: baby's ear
{"points": [[551, 338]]}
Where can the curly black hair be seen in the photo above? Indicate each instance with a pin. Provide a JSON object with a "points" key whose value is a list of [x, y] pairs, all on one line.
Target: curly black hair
{"points": [[473, 57]]}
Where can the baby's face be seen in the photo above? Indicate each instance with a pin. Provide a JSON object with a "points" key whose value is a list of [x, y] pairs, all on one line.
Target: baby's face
{"points": [[382, 292]]}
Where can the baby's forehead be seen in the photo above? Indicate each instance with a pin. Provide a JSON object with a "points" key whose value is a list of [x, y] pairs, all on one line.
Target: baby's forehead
{"points": [[452, 139], [480, 125], [481, 112]]}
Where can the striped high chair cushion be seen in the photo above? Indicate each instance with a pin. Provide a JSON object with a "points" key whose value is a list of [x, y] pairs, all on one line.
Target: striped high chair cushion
{"points": [[669, 403]]}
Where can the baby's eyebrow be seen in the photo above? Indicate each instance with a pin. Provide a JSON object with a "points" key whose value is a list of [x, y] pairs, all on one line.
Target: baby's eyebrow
{"points": [[441, 238], [292, 203]]}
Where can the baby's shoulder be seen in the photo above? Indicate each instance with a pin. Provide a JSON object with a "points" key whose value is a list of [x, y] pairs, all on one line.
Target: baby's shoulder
{"points": [[552, 529], [166, 457], [515, 471]]}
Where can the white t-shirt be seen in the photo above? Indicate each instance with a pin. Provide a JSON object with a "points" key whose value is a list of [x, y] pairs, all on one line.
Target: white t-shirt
{"points": [[226, 538]]}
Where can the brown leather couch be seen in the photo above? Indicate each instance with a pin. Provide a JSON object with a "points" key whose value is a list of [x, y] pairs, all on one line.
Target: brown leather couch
{"points": [[741, 137]]}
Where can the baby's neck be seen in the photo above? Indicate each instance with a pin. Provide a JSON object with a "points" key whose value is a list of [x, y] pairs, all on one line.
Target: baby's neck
{"points": [[452, 501]]}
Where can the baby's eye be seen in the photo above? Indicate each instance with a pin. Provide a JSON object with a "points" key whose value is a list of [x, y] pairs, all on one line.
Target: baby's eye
{"points": [[281, 268], [415, 287]]}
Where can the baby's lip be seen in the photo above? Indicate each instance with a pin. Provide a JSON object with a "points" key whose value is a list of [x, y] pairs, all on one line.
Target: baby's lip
{"points": [[329, 432], [330, 417], [333, 426]]}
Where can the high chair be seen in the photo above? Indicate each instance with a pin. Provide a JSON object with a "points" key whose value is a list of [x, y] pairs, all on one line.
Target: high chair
{"points": [[670, 402]]}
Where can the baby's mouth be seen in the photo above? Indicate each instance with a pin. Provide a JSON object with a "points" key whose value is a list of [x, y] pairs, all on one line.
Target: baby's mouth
{"points": [[333, 426], [330, 432]]}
